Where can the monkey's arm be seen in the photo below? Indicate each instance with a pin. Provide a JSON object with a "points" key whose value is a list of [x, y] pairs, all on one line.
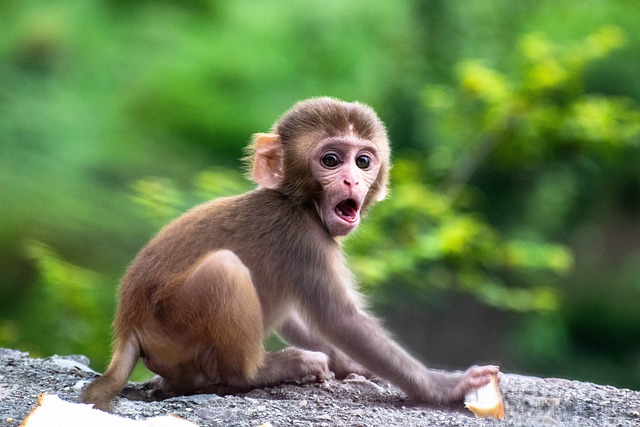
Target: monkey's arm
{"points": [[295, 332], [356, 332]]}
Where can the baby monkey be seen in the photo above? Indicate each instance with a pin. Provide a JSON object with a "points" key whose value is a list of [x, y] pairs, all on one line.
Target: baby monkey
{"points": [[197, 302]]}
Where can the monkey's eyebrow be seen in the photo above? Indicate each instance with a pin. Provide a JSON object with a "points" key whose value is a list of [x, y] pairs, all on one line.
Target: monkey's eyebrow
{"points": [[354, 140]]}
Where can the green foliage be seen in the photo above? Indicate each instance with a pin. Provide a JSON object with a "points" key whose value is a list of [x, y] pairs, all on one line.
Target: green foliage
{"points": [[542, 115], [435, 243], [72, 304], [516, 124], [161, 201], [542, 129]]}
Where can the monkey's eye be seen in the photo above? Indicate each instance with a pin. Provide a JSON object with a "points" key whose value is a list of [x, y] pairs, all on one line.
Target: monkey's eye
{"points": [[363, 162], [330, 160]]}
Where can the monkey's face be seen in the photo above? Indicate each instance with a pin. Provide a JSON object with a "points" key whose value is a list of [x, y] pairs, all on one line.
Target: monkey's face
{"points": [[332, 153], [346, 167]]}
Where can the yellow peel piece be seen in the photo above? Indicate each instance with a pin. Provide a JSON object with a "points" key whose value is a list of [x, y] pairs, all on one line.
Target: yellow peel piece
{"points": [[486, 401]]}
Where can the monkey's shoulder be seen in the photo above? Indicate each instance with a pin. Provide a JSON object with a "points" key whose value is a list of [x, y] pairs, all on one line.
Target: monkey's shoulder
{"points": [[262, 205], [258, 217], [261, 222]]}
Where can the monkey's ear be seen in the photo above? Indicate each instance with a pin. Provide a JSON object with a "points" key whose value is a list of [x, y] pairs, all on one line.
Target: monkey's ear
{"points": [[381, 195], [267, 162], [380, 189]]}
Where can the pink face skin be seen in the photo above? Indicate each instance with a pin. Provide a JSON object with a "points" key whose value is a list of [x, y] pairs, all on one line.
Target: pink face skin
{"points": [[346, 167]]}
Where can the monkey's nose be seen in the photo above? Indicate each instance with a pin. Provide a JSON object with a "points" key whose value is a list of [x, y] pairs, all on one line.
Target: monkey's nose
{"points": [[351, 180]]}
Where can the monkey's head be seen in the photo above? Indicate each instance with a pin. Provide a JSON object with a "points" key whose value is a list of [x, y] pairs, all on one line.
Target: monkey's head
{"points": [[327, 153]]}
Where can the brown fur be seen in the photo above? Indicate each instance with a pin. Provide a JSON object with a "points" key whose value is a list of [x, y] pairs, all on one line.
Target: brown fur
{"points": [[198, 300]]}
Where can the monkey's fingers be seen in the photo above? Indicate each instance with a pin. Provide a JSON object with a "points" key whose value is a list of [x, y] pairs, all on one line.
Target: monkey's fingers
{"points": [[475, 377], [481, 371]]}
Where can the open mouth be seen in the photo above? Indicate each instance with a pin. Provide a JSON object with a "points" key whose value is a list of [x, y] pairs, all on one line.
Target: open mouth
{"points": [[348, 210]]}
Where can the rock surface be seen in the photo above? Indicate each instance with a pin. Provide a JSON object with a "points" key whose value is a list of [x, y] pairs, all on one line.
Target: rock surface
{"points": [[354, 402]]}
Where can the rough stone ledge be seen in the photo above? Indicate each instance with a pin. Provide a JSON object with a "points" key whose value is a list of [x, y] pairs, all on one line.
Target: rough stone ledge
{"points": [[528, 401]]}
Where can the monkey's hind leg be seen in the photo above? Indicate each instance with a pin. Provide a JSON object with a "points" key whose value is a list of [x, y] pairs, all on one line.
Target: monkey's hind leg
{"points": [[221, 314], [226, 317], [104, 389]]}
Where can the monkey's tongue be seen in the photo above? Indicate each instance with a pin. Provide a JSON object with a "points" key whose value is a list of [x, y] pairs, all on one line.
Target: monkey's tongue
{"points": [[347, 210]]}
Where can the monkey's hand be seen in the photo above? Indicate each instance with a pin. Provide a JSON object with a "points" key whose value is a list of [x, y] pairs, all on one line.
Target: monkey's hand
{"points": [[448, 387], [473, 378]]}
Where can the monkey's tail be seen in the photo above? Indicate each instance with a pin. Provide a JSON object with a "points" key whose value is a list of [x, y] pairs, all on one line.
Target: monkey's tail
{"points": [[104, 389]]}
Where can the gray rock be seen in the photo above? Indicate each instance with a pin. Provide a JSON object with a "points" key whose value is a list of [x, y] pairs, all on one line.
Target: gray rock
{"points": [[528, 401]]}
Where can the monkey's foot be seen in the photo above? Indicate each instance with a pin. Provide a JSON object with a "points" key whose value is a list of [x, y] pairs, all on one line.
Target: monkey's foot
{"points": [[148, 391]]}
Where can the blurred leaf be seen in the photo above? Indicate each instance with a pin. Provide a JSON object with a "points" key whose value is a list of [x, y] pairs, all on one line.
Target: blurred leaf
{"points": [[528, 254], [219, 182], [72, 306], [66, 284], [159, 198]]}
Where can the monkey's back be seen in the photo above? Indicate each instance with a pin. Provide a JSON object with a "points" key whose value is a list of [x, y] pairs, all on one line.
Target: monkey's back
{"points": [[262, 227]]}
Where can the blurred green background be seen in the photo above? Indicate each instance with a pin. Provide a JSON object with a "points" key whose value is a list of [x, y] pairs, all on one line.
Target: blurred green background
{"points": [[512, 232]]}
